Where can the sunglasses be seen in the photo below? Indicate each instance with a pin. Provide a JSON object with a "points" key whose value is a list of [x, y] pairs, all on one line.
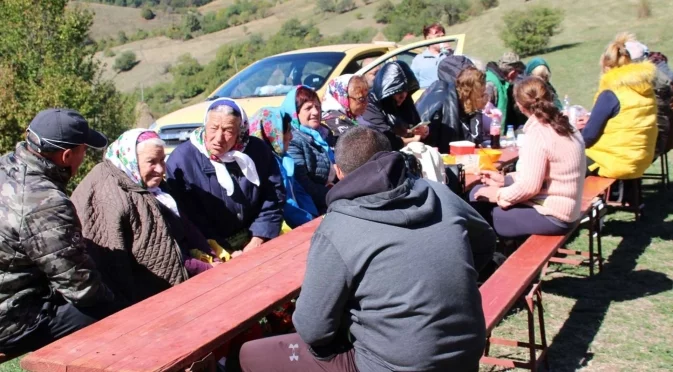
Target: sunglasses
{"points": [[362, 99]]}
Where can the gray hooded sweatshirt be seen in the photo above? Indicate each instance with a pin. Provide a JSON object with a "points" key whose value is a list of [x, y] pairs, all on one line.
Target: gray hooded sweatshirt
{"points": [[392, 267]]}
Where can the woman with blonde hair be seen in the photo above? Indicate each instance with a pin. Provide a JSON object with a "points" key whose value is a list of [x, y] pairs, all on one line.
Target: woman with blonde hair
{"points": [[471, 88], [545, 197], [621, 134]]}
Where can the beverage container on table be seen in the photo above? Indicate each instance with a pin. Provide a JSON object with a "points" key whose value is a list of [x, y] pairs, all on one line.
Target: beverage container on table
{"points": [[510, 139], [495, 133], [566, 104]]}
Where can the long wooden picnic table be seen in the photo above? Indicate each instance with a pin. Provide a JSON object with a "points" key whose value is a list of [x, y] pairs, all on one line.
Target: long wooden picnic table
{"points": [[182, 325]]}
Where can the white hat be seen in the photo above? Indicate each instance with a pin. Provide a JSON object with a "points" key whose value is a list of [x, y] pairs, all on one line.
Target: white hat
{"points": [[637, 50]]}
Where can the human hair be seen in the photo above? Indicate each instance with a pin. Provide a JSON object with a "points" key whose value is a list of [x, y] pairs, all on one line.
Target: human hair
{"points": [[535, 97], [357, 146], [225, 110], [542, 72], [305, 94], [433, 27], [157, 142], [471, 87], [287, 121], [616, 54], [358, 81]]}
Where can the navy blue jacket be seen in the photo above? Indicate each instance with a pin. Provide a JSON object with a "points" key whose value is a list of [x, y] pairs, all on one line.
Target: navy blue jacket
{"points": [[311, 167], [194, 186]]}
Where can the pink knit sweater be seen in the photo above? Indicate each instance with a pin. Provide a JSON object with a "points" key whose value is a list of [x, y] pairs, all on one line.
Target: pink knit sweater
{"points": [[552, 173]]}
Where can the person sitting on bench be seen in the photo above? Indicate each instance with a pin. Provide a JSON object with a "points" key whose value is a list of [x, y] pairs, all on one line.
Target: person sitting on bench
{"points": [[50, 285], [227, 182], [139, 238], [391, 277], [544, 197]]}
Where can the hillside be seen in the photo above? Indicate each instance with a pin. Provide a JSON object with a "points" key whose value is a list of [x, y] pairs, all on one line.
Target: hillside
{"points": [[587, 29], [157, 53], [109, 20]]}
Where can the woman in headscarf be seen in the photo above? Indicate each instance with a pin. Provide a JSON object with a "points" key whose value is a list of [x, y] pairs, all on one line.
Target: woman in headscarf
{"points": [[227, 182], [539, 67], [391, 109], [139, 238], [274, 128], [310, 149], [343, 104]]}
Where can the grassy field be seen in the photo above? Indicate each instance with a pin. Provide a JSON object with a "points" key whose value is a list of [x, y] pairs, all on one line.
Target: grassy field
{"points": [[109, 20]]}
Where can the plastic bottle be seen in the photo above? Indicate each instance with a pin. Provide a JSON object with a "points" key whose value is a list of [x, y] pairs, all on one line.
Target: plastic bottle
{"points": [[566, 104], [495, 133], [510, 139]]}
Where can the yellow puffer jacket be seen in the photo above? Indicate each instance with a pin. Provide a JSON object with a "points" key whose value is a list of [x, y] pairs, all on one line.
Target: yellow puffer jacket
{"points": [[626, 148]]}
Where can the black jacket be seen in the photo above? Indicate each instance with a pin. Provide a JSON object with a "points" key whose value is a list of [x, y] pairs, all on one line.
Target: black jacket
{"points": [[440, 106], [382, 114]]}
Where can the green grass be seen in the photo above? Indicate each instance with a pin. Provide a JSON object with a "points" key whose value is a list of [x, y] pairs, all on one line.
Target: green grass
{"points": [[588, 27], [621, 319]]}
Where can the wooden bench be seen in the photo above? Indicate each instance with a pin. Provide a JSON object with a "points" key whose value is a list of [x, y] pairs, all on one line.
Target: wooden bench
{"points": [[179, 328], [520, 276]]}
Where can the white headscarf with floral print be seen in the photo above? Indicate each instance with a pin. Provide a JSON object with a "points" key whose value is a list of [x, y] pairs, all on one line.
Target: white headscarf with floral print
{"points": [[123, 154]]}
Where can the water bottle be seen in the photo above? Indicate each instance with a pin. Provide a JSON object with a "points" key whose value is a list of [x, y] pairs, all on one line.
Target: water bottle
{"points": [[566, 104], [510, 139]]}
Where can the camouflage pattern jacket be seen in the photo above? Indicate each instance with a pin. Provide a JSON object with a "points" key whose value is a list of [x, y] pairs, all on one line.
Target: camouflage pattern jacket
{"points": [[42, 253]]}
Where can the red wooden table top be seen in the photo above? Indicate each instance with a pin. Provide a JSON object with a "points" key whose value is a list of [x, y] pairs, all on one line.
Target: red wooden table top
{"points": [[170, 331]]}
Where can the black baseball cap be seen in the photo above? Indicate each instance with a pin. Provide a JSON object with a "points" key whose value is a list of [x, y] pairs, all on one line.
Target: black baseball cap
{"points": [[62, 129]]}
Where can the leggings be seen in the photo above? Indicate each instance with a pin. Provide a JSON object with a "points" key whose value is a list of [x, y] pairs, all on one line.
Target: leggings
{"points": [[289, 353], [518, 220]]}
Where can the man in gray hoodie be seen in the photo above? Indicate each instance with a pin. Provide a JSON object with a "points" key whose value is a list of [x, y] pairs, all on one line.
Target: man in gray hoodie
{"points": [[391, 277]]}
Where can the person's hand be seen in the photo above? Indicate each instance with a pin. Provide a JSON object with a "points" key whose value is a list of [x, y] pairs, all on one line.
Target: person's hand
{"points": [[422, 131], [581, 122], [408, 140], [489, 193], [492, 178], [236, 254], [215, 263], [254, 243]]}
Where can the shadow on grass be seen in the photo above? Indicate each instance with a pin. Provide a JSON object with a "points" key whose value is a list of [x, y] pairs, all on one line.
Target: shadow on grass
{"points": [[619, 281], [558, 48]]}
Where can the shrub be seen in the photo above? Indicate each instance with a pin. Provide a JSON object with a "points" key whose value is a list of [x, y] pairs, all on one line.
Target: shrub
{"points": [[108, 53], [488, 4], [191, 23], [644, 9], [344, 6], [147, 13], [528, 32], [359, 15], [125, 61], [326, 6], [385, 12], [122, 38]]}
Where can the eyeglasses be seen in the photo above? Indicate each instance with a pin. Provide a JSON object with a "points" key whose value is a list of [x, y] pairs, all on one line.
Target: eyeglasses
{"points": [[362, 99]]}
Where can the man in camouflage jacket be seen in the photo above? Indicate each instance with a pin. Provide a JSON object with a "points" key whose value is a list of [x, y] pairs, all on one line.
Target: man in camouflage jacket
{"points": [[48, 284]]}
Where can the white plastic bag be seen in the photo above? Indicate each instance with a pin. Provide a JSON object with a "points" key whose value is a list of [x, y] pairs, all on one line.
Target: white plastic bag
{"points": [[432, 165]]}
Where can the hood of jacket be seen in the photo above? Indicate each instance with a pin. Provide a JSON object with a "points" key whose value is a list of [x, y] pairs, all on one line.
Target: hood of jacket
{"points": [[394, 77], [535, 63], [381, 191], [450, 67], [634, 76], [493, 67]]}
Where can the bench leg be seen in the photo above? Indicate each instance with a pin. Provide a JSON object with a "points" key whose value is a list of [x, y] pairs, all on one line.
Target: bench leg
{"points": [[592, 226], [664, 159], [599, 237]]}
